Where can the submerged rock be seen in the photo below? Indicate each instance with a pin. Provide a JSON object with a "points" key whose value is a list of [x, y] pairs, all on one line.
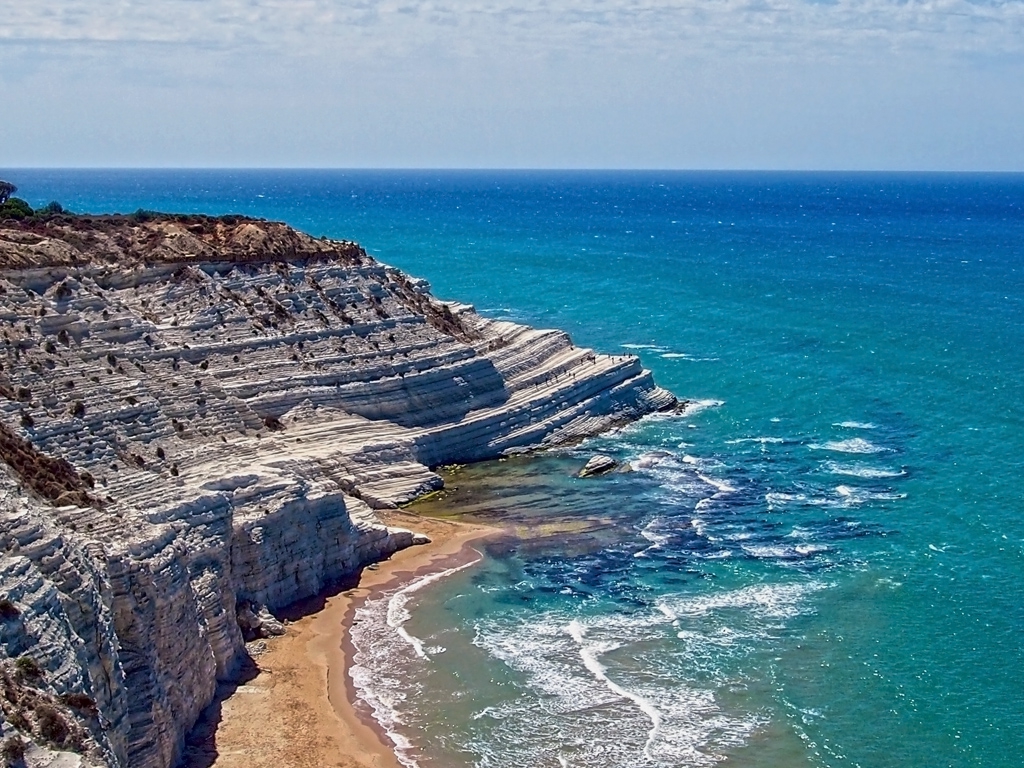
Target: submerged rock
{"points": [[598, 465]]}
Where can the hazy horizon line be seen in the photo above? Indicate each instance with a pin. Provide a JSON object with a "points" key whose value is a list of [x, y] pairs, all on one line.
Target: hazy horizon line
{"points": [[509, 169]]}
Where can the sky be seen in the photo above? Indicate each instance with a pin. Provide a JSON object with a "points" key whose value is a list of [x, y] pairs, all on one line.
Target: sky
{"points": [[687, 84]]}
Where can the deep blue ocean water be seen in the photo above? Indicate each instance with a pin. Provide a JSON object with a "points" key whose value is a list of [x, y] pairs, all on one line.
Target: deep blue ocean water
{"points": [[824, 566]]}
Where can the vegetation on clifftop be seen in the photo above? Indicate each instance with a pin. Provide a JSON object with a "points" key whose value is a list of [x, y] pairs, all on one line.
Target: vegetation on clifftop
{"points": [[16, 208]]}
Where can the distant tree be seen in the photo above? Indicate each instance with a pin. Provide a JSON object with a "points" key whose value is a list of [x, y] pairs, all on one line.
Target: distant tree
{"points": [[6, 190], [15, 208], [51, 207]]}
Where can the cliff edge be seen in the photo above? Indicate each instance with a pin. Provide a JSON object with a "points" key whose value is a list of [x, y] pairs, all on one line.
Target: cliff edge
{"points": [[198, 417]]}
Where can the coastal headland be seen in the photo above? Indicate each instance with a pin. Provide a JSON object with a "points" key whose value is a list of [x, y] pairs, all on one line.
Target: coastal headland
{"points": [[201, 420]]}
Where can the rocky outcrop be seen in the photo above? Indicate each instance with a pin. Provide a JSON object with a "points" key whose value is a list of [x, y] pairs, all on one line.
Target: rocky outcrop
{"points": [[598, 465], [197, 419]]}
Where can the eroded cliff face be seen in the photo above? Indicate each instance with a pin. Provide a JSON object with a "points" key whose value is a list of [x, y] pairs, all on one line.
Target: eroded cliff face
{"points": [[198, 417]]}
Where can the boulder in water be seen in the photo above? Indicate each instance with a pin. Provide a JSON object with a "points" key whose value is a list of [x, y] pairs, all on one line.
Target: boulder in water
{"points": [[598, 465]]}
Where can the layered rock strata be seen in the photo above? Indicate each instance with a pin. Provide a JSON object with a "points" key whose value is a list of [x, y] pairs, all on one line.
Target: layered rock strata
{"points": [[197, 419]]}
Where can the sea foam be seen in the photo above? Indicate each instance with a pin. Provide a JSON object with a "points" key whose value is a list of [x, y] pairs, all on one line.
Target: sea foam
{"points": [[853, 445], [380, 668], [863, 471], [398, 614], [612, 703]]}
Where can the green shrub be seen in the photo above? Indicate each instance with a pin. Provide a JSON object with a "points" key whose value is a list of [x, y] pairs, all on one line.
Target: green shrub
{"points": [[15, 208], [28, 668]]}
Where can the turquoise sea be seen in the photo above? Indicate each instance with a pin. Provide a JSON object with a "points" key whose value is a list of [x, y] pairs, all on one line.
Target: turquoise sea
{"points": [[822, 565]]}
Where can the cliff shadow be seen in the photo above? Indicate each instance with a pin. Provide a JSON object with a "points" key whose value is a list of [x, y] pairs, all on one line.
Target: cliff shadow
{"points": [[201, 749], [201, 744]]}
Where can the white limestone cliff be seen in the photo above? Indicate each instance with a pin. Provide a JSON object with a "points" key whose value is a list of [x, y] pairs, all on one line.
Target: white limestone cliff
{"points": [[198, 418]]}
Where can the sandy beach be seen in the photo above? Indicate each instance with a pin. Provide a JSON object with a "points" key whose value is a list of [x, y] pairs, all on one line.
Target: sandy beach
{"points": [[294, 705]]}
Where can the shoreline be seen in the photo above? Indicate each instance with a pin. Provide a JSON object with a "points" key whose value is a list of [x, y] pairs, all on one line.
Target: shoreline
{"points": [[295, 703]]}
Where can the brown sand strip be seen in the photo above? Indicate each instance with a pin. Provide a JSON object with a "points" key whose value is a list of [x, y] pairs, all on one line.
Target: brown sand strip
{"points": [[295, 706]]}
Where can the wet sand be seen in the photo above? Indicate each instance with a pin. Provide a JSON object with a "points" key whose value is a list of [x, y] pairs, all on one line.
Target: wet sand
{"points": [[295, 704]]}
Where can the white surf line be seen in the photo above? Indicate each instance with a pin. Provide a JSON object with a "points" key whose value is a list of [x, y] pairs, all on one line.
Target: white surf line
{"points": [[720, 485], [397, 613], [597, 669]]}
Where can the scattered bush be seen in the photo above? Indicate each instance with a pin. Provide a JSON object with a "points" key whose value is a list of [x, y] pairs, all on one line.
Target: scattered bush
{"points": [[24, 394], [174, 470], [8, 610], [80, 701], [16, 718], [50, 477], [273, 424], [88, 479], [160, 453], [27, 421], [51, 724], [28, 668], [78, 409], [52, 208], [13, 750]]}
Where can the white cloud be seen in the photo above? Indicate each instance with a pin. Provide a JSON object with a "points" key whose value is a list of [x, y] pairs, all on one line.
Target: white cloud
{"points": [[535, 83], [480, 27]]}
